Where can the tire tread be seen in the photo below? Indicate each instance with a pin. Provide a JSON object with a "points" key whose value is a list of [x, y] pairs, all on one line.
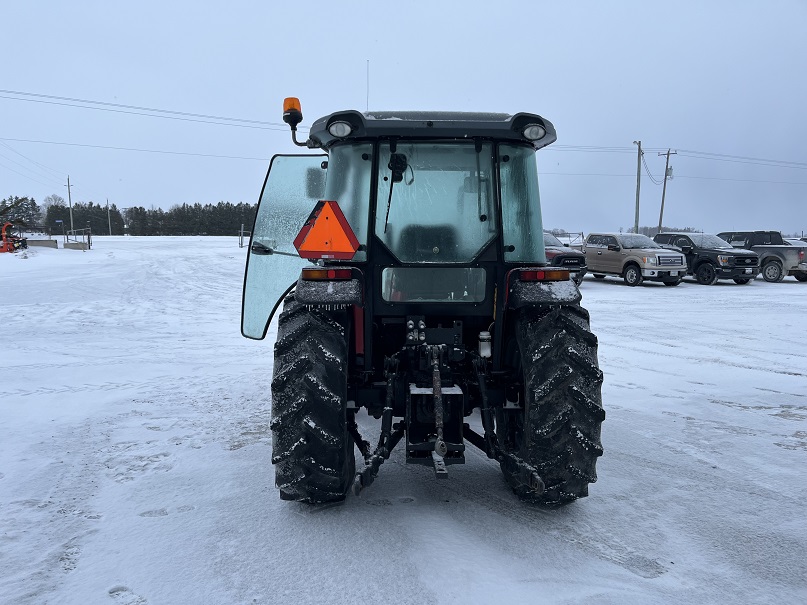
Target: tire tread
{"points": [[311, 448]]}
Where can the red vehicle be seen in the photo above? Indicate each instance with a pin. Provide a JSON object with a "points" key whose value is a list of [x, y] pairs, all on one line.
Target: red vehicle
{"points": [[11, 243]]}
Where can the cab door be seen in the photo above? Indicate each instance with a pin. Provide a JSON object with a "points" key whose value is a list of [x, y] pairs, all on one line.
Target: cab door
{"points": [[293, 186]]}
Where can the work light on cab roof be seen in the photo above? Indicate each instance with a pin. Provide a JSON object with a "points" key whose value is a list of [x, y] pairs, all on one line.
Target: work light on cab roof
{"points": [[534, 132], [340, 129]]}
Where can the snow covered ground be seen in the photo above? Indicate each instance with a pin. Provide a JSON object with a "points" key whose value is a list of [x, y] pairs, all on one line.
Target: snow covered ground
{"points": [[135, 454]]}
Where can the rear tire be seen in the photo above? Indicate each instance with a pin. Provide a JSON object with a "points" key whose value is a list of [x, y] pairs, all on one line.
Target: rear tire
{"points": [[801, 276], [633, 275], [742, 280], [599, 276], [772, 272], [706, 274], [311, 448], [672, 283], [558, 429]]}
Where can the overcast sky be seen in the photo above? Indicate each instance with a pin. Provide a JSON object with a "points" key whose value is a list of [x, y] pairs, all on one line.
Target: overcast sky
{"points": [[724, 78]]}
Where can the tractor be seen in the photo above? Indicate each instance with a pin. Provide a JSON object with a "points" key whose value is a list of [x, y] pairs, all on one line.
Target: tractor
{"points": [[404, 253]]}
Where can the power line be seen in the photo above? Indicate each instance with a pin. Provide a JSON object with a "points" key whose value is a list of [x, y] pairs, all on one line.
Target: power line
{"points": [[204, 155], [24, 167], [10, 148], [701, 155], [150, 115], [541, 172], [647, 170], [714, 178], [265, 125], [740, 157], [60, 174], [250, 158], [677, 176], [30, 178], [139, 108], [589, 149]]}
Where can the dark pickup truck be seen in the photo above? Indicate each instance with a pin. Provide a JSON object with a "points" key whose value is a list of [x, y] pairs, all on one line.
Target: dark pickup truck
{"points": [[710, 258], [559, 254], [776, 257]]}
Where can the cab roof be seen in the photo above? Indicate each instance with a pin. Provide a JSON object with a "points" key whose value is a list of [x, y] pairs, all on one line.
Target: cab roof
{"points": [[430, 125]]}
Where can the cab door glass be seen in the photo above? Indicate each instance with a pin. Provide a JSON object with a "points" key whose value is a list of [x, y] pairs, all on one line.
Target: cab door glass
{"points": [[521, 205], [293, 186], [348, 184]]}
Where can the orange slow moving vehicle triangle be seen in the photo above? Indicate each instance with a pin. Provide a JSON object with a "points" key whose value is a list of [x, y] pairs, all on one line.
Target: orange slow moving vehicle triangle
{"points": [[326, 234]]}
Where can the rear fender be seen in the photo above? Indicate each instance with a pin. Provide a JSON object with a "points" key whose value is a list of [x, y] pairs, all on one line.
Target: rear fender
{"points": [[341, 292], [528, 294]]}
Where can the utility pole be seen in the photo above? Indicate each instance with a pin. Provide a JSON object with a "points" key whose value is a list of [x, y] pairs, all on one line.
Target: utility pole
{"points": [[664, 189], [70, 202], [638, 184], [108, 218]]}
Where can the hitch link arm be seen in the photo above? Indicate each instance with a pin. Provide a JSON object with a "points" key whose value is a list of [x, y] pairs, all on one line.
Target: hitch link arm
{"points": [[353, 430], [491, 443], [390, 436], [526, 473], [440, 447]]}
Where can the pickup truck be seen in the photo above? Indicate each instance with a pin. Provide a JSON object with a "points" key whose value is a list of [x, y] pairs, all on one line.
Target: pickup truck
{"points": [[776, 257], [559, 254], [634, 257], [799, 243], [710, 258]]}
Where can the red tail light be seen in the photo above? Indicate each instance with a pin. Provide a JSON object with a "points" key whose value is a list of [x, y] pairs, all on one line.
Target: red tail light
{"points": [[543, 274], [327, 274]]}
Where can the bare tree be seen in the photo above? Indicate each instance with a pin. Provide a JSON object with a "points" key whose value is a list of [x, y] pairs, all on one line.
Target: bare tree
{"points": [[52, 200]]}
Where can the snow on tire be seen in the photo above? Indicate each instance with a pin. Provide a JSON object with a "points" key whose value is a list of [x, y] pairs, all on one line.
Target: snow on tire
{"points": [[558, 431], [311, 448]]}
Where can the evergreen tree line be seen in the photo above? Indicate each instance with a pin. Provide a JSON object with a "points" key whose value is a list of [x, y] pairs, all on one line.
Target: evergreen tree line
{"points": [[649, 231], [19, 211], [223, 218], [95, 216]]}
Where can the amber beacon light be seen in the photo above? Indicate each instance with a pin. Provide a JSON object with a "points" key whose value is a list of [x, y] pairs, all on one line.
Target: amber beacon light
{"points": [[292, 112]]}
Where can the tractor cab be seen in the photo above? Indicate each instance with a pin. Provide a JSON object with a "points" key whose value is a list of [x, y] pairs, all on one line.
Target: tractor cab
{"points": [[432, 198]]}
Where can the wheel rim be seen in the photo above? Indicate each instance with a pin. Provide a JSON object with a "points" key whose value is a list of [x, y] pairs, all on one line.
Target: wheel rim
{"points": [[706, 274], [632, 275], [771, 271]]}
